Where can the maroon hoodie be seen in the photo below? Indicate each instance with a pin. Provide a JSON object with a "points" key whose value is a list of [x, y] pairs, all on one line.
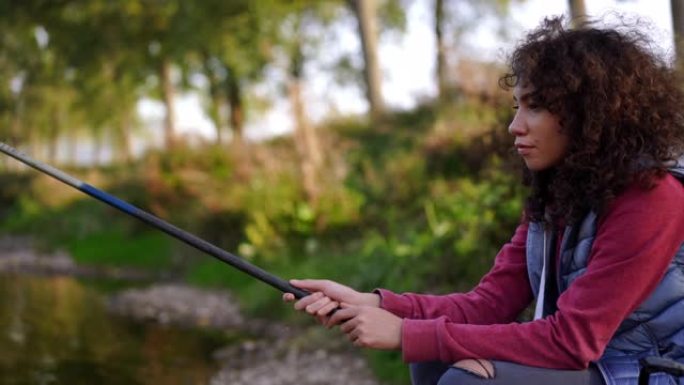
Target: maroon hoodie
{"points": [[635, 242]]}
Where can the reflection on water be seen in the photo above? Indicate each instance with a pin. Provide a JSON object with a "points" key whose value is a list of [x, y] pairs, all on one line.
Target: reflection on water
{"points": [[57, 331]]}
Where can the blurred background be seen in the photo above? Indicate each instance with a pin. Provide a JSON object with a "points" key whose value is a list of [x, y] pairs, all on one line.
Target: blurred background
{"points": [[362, 140]]}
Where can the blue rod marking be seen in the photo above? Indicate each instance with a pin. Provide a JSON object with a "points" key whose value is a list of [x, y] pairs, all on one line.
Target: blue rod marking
{"points": [[114, 201]]}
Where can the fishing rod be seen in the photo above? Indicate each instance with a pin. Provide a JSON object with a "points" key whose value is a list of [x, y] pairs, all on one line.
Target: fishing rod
{"points": [[158, 223]]}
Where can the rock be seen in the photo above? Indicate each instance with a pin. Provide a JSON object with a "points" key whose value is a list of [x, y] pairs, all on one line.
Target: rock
{"points": [[18, 255], [275, 356], [179, 305], [14, 243], [18, 259], [298, 368], [288, 359]]}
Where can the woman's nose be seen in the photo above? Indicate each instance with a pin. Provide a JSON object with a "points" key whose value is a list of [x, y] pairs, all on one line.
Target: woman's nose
{"points": [[517, 126]]}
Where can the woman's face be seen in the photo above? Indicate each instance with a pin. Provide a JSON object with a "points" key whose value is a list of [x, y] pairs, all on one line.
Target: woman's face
{"points": [[538, 136]]}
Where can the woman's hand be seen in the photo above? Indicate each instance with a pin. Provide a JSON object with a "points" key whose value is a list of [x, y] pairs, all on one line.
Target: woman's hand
{"points": [[326, 296], [369, 327]]}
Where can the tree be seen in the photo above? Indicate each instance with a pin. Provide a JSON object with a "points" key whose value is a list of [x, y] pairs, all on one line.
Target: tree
{"points": [[678, 29], [578, 12], [164, 34], [232, 51], [106, 60], [441, 69], [37, 95], [295, 44], [17, 59], [307, 142], [366, 14], [451, 21]]}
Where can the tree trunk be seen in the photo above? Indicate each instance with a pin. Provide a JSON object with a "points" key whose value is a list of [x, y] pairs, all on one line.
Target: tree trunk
{"points": [[52, 144], [237, 119], [215, 112], [441, 70], [15, 137], [168, 95], [216, 99], [72, 148], [237, 123], [306, 141], [124, 153], [32, 143], [366, 14], [98, 143], [678, 29], [53, 134], [16, 126], [578, 12]]}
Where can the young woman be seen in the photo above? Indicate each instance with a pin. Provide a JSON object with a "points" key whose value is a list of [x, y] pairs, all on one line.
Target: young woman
{"points": [[599, 124]]}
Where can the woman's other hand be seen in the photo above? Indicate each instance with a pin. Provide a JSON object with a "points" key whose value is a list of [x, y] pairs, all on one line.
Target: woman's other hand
{"points": [[369, 327], [326, 296]]}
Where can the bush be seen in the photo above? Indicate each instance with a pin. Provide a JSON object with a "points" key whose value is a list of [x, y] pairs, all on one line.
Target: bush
{"points": [[452, 243]]}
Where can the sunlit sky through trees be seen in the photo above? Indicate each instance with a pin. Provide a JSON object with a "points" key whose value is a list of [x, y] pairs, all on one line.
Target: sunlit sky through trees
{"points": [[407, 62]]}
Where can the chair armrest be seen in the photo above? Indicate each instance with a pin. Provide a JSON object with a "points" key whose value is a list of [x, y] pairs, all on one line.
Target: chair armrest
{"points": [[650, 365]]}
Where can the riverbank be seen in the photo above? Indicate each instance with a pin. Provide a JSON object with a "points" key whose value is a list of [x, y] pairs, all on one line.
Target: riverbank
{"points": [[265, 352], [18, 255], [270, 353]]}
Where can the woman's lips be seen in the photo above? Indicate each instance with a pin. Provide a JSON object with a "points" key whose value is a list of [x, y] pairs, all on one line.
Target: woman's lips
{"points": [[524, 149]]}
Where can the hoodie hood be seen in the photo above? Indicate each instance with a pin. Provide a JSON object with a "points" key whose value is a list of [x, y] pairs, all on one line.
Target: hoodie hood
{"points": [[678, 168]]}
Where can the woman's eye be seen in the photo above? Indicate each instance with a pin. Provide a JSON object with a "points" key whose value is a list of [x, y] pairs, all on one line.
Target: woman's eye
{"points": [[515, 107]]}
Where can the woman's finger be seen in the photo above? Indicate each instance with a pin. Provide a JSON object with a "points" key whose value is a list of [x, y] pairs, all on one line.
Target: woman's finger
{"points": [[349, 326], [342, 315], [288, 297], [308, 300], [311, 284], [351, 337], [322, 319], [314, 307], [325, 310]]}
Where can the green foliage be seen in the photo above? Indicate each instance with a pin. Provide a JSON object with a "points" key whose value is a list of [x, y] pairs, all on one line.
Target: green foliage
{"points": [[13, 187], [413, 211], [447, 246], [413, 204], [144, 249], [91, 231], [389, 367], [392, 15]]}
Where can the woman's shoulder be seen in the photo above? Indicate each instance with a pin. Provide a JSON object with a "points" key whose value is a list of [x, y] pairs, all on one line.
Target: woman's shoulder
{"points": [[664, 195], [647, 210], [664, 187]]}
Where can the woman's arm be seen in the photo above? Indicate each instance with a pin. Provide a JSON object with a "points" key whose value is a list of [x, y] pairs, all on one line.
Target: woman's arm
{"points": [[634, 245], [500, 296]]}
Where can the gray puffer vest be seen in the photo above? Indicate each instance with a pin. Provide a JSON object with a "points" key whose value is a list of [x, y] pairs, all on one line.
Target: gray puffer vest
{"points": [[655, 328]]}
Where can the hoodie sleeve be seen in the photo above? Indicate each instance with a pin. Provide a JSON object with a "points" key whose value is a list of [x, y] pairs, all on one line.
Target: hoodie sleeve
{"points": [[635, 242], [499, 297]]}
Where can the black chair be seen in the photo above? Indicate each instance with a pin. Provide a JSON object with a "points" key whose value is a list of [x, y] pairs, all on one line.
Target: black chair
{"points": [[650, 365]]}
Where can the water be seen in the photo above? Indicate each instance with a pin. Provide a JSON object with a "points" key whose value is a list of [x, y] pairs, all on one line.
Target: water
{"points": [[56, 331]]}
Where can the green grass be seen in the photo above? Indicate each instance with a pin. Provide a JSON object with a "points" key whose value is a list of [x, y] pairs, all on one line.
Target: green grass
{"points": [[115, 248], [388, 366], [211, 272], [255, 297]]}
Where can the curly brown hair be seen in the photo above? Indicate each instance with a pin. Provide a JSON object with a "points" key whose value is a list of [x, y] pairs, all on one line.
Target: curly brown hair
{"points": [[620, 104]]}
